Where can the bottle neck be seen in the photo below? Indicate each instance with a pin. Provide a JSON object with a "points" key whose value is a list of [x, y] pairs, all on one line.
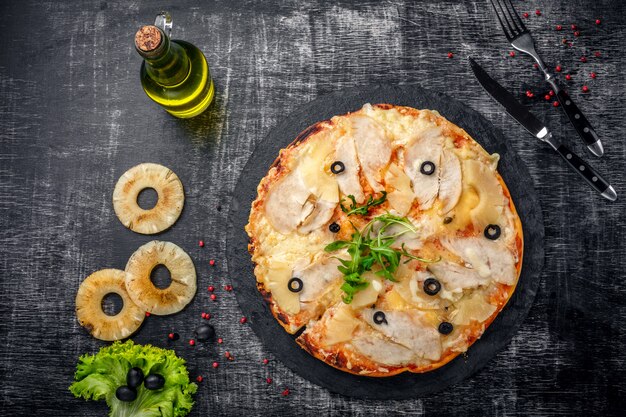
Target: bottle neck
{"points": [[168, 64]]}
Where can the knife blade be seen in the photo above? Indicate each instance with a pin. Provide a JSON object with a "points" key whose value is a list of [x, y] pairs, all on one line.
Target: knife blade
{"points": [[538, 129]]}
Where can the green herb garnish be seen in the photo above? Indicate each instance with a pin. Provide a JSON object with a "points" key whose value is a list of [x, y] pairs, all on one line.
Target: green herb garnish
{"points": [[364, 209], [368, 249]]}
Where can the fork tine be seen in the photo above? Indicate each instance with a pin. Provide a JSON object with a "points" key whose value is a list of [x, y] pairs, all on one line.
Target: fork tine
{"points": [[509, 20], [504, 28], [515, 15]]}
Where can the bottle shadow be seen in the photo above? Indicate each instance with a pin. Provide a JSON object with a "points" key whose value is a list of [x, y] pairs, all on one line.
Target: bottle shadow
{"points": [[206, 128]]}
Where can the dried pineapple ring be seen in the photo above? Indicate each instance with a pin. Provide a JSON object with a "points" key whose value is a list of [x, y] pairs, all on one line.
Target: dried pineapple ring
{"points": [[89, 306], [182, 272], [164, 214]]}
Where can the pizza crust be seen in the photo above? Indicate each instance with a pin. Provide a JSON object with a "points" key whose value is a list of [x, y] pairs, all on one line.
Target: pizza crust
{"points": [[289, 228]]}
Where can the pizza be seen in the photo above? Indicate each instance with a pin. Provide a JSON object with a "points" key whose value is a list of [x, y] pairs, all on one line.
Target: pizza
{"points": [[385, 239]]}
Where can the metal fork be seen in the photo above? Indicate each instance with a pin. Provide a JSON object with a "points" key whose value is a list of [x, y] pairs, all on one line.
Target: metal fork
{"points": [[520, 38]]}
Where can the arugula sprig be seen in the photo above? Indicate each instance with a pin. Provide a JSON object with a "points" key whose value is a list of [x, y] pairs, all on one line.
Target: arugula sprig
{"points": [[372, 247], [364, 209]]}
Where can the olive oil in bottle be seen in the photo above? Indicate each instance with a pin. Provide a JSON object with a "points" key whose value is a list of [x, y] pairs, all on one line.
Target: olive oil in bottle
{"points": [[174, 73]]}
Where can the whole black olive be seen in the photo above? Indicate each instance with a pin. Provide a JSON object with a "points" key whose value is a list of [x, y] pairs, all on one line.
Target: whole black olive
{"points": [[154, 381], [126, 394], [492, 231], [379, 318], [447, 220], [445, 327], [337, 167], [295, 284], [427, 168], [431, 286], [134, 377], [334, 227], [204, 332]]}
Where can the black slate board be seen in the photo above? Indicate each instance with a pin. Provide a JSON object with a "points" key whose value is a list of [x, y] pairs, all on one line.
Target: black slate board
{"points": [[406, 385]]}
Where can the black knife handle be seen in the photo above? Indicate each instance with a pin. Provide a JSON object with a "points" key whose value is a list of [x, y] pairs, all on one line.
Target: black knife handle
{"points": [[587, 172], [580, 123]]}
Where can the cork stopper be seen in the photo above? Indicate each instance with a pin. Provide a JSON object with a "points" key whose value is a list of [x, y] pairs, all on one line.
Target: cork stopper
{"points": [[148, 38]]}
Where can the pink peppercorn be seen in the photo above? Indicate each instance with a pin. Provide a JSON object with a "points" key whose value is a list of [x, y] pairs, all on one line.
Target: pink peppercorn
{"points": [[266, 361], [598, 21], [215, 364], [199, 378], [201, 243], [212, 262], [555, 104], [593, 75], [211, 288], [585, 89], [574, 27], [526, 15], [220, 340], [285, 392], [538, 12], [243, 320], [512, 54], [559, 27], [583, 59], [213, 297], [450, 55], [268, 380], [559, 68], [192, 342], [568, 77]]}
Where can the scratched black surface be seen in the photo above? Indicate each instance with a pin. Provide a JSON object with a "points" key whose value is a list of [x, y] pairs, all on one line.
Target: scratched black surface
{"points": [[73, 118]]}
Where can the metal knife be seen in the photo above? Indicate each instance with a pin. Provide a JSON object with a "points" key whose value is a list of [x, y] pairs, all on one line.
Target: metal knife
{"points": [[538, 129]]}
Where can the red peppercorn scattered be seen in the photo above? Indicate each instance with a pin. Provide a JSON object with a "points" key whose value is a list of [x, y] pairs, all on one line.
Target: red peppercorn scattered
{"points": [[173, 336], [228, 287], [266, 361], [207, 316], [593, 75], [147, 314], [512, 54], [212, 262], [551, 92], [201, 243], [529, 94], [598, 21], [211, 288], [585, 89], [199, 378], [243, 320], [220, 340], [568, 77], [285, 392], [450, 55], [547, 97], [213, 297], [215, 364], [574, 27], [538, 12], [583, 59], [536, 66], [564, 41], [192, 342], [268, 380], [559, 68], [526, 15], [577, 33], [227, 355], [597, 54], [559, 27], [555, 104]]}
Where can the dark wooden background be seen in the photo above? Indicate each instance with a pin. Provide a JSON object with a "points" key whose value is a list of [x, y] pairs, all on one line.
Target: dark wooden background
{"points": [[73, 118]]}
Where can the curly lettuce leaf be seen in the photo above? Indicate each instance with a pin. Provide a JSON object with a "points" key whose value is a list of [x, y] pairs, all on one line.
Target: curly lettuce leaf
{"points": [[98, 376]]}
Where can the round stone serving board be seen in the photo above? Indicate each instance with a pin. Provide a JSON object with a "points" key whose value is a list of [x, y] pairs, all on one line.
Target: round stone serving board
{"points": [[406, 385]]}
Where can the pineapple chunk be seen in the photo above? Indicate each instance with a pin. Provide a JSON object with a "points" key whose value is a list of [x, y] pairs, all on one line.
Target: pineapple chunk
{"points": [[277, 279], [492, 201], [472, 307], [340, 326], [369, 295], [400, 194]]}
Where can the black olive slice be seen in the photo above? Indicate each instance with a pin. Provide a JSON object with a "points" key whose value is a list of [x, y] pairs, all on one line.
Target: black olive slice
{"points": [[379, 318], [337, 167], [427, 168], [334, 227], [445, 327], [432, 286], [295, 284], [492, 231], [126, 394]]}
